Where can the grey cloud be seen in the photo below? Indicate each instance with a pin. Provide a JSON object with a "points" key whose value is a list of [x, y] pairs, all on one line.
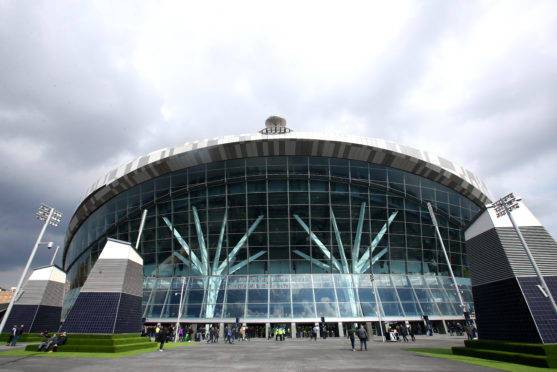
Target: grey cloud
{"points": [[74, 104]]}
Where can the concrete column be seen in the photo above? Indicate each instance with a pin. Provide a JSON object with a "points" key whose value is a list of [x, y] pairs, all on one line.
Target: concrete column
{"points": [[221, 331], [267, 327], [340, 330], [293, 330]]}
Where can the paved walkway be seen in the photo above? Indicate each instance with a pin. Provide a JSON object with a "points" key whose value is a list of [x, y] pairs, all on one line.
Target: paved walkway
{"points": [[332, 354]]}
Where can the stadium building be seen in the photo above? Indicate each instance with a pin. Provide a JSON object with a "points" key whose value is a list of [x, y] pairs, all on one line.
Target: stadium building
{"points": [[284, 228]]}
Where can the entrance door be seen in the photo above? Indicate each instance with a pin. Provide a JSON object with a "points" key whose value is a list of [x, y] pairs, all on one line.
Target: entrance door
{"points": [[255, 330], [303, 330]]}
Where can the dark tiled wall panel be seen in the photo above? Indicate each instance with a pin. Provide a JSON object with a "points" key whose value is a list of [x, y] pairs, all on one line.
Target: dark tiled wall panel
{"points": [[128, 319], [502, 313], [93, 312], [21, 314], [541, 308], [48, 317]]}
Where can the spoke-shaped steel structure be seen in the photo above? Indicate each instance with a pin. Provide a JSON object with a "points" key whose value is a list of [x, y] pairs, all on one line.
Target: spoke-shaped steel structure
{"points": [[213, 274], [359, 263]]}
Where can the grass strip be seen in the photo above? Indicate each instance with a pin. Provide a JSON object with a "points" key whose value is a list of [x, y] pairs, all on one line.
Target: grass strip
{"points": [[21, 352], [506, 366]]}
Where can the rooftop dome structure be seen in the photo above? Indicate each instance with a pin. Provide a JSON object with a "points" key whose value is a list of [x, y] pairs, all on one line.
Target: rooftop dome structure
{"points": [[275, 125]]}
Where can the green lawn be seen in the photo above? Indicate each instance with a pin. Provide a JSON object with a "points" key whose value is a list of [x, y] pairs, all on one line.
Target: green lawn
{"points": [[170, 345], [448, 354]]}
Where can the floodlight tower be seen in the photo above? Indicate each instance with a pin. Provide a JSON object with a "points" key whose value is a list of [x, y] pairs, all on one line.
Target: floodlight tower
{"points": [[50, 216], [504, 206]]}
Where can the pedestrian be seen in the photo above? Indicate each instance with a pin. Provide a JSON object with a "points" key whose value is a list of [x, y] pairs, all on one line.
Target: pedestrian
{"points": [[314, 333], [228, 335], [468, 331], [351, 333], [163, 334], [13, 331], [411, 332], [18, 334], [404, 332], [363, 336]]}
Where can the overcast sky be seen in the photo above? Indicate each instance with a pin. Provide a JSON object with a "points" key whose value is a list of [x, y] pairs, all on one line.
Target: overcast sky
{"points": [[88, 85]]}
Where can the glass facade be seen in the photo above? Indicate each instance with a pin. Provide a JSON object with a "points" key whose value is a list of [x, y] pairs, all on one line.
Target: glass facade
{"points": [[286, 237]]}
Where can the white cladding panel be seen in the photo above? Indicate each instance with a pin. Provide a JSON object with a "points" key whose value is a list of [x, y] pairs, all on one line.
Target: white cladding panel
{"points": [[117, 250], [51, 273], [488, 220]]}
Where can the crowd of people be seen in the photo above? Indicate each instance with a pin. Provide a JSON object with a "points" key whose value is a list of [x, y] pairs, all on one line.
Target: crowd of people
{"points": [[396, 332]]}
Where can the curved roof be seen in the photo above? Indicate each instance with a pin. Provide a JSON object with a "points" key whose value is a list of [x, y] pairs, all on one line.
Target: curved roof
{"points": [[193, 153]]}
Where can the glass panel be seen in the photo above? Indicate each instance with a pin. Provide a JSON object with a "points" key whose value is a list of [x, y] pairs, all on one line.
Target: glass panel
{"points": [[387, 294], [279, 295], [382, 280], [349, 310], [439, 295], [237, 282], [236, 295], [329, 309], [417, 281], [406, 295], [324, 295], [304, 310], [279, 281], [400, 281], [258, 281], [343, 281], [429, 308], [193, 311], [322, 281], [392, 309], [411, 309], [234, 310], [366, 295], [346, 295], [302, 295], [368, 309], [301, 281], [423, 295], [258, 296], [195, 296], [279, 311], [256, 311], [446, 309]]}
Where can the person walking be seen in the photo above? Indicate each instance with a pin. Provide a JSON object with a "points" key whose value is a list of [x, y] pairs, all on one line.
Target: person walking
{"points": [[411, 333], [163, 334], [351, 333], [467, 329], [314, 333], [18, 334], [363, 336], [404, 332], [13, 332]]}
